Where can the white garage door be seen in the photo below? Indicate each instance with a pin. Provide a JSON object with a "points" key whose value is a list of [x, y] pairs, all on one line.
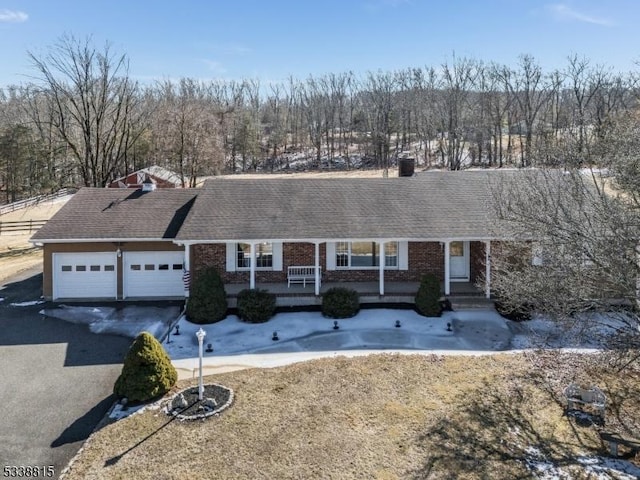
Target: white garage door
{"points": [[153, 274], [84, 275]]}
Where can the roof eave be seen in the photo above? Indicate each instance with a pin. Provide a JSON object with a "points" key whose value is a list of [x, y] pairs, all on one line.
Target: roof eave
{"points": [[98, 240]]}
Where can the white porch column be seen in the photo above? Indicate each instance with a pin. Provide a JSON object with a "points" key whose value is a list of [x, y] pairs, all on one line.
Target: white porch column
{"points": [[187, 266], [252, 272], [317, 268], [487, 273], [447, 273], [381, 261]]}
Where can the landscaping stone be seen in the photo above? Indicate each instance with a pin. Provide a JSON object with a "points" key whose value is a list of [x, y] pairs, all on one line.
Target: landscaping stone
{"points": [[186, 406]]}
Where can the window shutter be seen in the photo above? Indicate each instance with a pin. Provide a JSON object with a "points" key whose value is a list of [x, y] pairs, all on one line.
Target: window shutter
{"points": [[277, 256], [331, 255], [403, 255], [231, 257]]}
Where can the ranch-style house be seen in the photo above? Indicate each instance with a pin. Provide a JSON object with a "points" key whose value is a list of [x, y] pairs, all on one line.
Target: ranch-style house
{"points": [[295, 237]]}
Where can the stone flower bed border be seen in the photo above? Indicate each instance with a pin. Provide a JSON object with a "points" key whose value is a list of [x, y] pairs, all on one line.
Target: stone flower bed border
{"points": [[203, 414]]}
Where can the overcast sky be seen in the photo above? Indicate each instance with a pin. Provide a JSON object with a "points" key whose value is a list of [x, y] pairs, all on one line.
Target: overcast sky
{"points": [[274, 39]]}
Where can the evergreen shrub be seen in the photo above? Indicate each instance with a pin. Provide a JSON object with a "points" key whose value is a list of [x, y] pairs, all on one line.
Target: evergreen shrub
{"points": [[207, 298], [147, 372], [256, 306], [340, 302], [428, 297]]}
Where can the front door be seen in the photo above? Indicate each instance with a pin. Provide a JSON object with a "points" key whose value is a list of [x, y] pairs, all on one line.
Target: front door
{"points": [[459, 261]]}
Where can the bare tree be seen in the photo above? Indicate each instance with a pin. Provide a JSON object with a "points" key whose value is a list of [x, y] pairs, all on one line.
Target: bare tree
{"points": [[577, 247], [378, 97], [24, 161], [186, 130], [530, 92], [94, 105], [458, 80]]}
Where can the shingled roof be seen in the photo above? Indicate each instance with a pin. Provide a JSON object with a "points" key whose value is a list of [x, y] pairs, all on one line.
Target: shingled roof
{"points": [[431, 205], [428, 206], [104, 213]]}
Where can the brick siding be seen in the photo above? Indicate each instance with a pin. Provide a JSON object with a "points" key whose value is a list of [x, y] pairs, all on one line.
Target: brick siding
{"points": [[424, 257]]}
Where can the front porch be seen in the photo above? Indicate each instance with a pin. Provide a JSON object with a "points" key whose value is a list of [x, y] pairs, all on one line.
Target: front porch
{"points": [[394, 292]]}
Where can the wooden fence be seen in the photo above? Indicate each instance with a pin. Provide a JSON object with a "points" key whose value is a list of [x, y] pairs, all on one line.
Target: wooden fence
{"points": [[20, 226], [27, 202]]}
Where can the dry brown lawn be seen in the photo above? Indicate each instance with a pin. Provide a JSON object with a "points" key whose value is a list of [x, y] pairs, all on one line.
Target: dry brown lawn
{"points": [[380, 417], [16, 253]]}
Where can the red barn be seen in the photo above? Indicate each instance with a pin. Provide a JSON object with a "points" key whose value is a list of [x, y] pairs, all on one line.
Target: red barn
{"points": [[162, 177]]}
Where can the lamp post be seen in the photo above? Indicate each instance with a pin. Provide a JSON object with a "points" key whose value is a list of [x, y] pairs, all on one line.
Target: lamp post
{"points": [[200, 334]]}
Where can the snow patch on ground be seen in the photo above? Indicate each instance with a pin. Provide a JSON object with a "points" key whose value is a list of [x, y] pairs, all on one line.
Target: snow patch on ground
{"points": [[119, 412], [129, 321], [26, 304], [596, 467], [369, 329], [584, 331], [472, 331]]}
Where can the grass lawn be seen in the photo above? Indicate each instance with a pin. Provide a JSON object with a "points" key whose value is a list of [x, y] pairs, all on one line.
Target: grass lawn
{"points": [[382, 417]]}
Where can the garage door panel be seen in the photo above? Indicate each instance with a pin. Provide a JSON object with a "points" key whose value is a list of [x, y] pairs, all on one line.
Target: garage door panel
{"points": [[84, 275], [153, 274]]}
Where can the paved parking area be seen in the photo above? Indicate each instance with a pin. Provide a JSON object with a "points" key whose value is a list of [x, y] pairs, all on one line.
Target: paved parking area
{"points": [[56, 380]]}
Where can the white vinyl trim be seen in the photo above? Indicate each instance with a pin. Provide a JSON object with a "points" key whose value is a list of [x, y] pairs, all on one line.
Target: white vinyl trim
{"points": [[331, 255], [276, 252], [231, 257], [403, 255]]}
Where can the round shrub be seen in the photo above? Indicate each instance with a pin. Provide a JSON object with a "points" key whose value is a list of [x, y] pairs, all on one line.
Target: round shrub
{"points": [[340, 302], [428, 296], [516, 313], [256, 306], [147, 372], [207, 299]]}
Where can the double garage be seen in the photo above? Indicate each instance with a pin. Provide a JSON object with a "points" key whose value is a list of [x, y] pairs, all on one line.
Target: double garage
{"points": [[117, 274]]}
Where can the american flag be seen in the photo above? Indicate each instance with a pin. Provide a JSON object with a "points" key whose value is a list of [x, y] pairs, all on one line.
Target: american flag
{"points": [[186, 279]]}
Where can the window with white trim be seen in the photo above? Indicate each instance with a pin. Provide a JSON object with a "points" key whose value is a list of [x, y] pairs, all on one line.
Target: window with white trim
{"points": [[264, 256], [363, 255]]}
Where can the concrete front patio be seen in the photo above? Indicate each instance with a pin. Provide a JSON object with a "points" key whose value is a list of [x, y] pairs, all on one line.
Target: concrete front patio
{"points": [[395, 292]]}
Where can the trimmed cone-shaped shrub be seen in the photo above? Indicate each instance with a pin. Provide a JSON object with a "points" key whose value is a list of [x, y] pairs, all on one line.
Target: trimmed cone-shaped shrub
{"points": [[340, 302], [147, 372], [207, 298], [428, 296], [256, 306]]}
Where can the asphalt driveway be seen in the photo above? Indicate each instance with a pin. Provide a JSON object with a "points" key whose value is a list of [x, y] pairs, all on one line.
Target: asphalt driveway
{"points": [[55, 379]]}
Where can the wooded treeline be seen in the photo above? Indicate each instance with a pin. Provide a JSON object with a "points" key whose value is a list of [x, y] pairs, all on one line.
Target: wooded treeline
{"points": [[84, 120]]}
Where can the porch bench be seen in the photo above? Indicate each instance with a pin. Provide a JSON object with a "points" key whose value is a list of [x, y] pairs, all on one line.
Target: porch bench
{"points": [[592, 397], [302, 274]]}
